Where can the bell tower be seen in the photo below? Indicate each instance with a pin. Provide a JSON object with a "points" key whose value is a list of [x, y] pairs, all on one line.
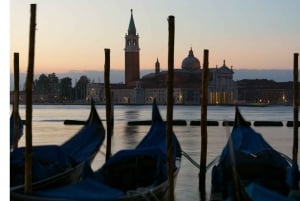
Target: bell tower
{"points": [[132, 54]]}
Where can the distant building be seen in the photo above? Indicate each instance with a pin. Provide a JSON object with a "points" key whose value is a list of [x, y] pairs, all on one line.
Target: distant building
{"points": [[263, 91], [187, 80]]}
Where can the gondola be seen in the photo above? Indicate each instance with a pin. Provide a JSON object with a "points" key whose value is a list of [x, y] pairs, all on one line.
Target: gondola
{"points": [[54, 165], [250, 167], [20, 128], [133, 174]]}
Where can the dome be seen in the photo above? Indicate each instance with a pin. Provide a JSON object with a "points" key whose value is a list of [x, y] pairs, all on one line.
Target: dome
{"points": [[190, 62]]}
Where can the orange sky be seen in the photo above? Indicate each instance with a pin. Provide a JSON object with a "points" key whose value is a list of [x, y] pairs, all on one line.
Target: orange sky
{"points": [[72, 36]]}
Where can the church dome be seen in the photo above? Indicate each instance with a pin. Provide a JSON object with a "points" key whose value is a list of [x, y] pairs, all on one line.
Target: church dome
{"points": [[190, 62]]}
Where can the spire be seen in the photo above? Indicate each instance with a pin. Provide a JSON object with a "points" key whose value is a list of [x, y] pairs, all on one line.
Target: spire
{"points": [[191, 52], [131, 28], [157, 66]]}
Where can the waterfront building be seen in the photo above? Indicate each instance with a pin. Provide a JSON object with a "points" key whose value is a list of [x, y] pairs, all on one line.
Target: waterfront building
{"points": [[265, 92], [187, 80]]}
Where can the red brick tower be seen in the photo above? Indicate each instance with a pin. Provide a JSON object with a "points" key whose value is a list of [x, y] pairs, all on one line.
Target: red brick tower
{"points": [[132, 55]]}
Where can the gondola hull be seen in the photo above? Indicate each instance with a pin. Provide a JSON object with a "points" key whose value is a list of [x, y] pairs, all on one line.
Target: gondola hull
{"points": [[159, 192], [69, 176], [20, 129], [248, 159], [57, 165]]}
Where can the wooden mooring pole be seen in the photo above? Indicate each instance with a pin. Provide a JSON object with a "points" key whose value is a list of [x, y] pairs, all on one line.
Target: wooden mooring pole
{"points": [[108, 103], [202, 173], [16, 100], [29, 81], [296, 108], [171, 20]]}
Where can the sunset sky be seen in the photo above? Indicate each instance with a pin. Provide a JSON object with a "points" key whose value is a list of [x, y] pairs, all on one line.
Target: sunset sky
{"points": [[71, 35]]}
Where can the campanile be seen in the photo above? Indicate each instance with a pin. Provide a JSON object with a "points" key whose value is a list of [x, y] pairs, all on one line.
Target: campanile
{"points": [[132, 54]]}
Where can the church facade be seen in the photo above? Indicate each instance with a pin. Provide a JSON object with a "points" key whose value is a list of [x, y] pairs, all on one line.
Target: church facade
{"points": [[187, 80]]}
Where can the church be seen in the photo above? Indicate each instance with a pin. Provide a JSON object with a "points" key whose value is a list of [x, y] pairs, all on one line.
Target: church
{"points": [[187, 80]]}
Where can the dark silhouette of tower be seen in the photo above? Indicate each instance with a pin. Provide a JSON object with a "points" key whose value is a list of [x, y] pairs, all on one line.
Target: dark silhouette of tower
{"points": [[132, 54], [157, 66]]}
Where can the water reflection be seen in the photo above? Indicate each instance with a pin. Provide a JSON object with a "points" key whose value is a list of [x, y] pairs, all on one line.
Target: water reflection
{"points": [[132, 115], [130, 135]]}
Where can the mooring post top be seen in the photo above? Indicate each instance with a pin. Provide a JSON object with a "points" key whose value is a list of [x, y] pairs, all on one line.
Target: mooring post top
{"points": [[171, 18]]}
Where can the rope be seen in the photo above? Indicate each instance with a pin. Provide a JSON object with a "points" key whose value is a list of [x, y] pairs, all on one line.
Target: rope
{"points": [[212, 162], [286, 157], [187, 156], [190, 159], [146, 193], [154, 196]]}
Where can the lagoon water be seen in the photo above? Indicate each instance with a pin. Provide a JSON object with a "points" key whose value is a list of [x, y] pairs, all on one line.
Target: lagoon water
{"points": [[48, 128]]}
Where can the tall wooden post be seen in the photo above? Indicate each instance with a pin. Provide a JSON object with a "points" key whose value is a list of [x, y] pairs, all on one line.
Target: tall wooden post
{"points": [[29, 82], [108, 103], [202, 173], [170, 107], [296, 108], [16, 100]]}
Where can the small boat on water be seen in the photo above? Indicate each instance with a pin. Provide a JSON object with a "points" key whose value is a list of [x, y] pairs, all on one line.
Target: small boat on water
{"points": [[250, 167], [54, 165], [20, 128], [133, 174]]}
